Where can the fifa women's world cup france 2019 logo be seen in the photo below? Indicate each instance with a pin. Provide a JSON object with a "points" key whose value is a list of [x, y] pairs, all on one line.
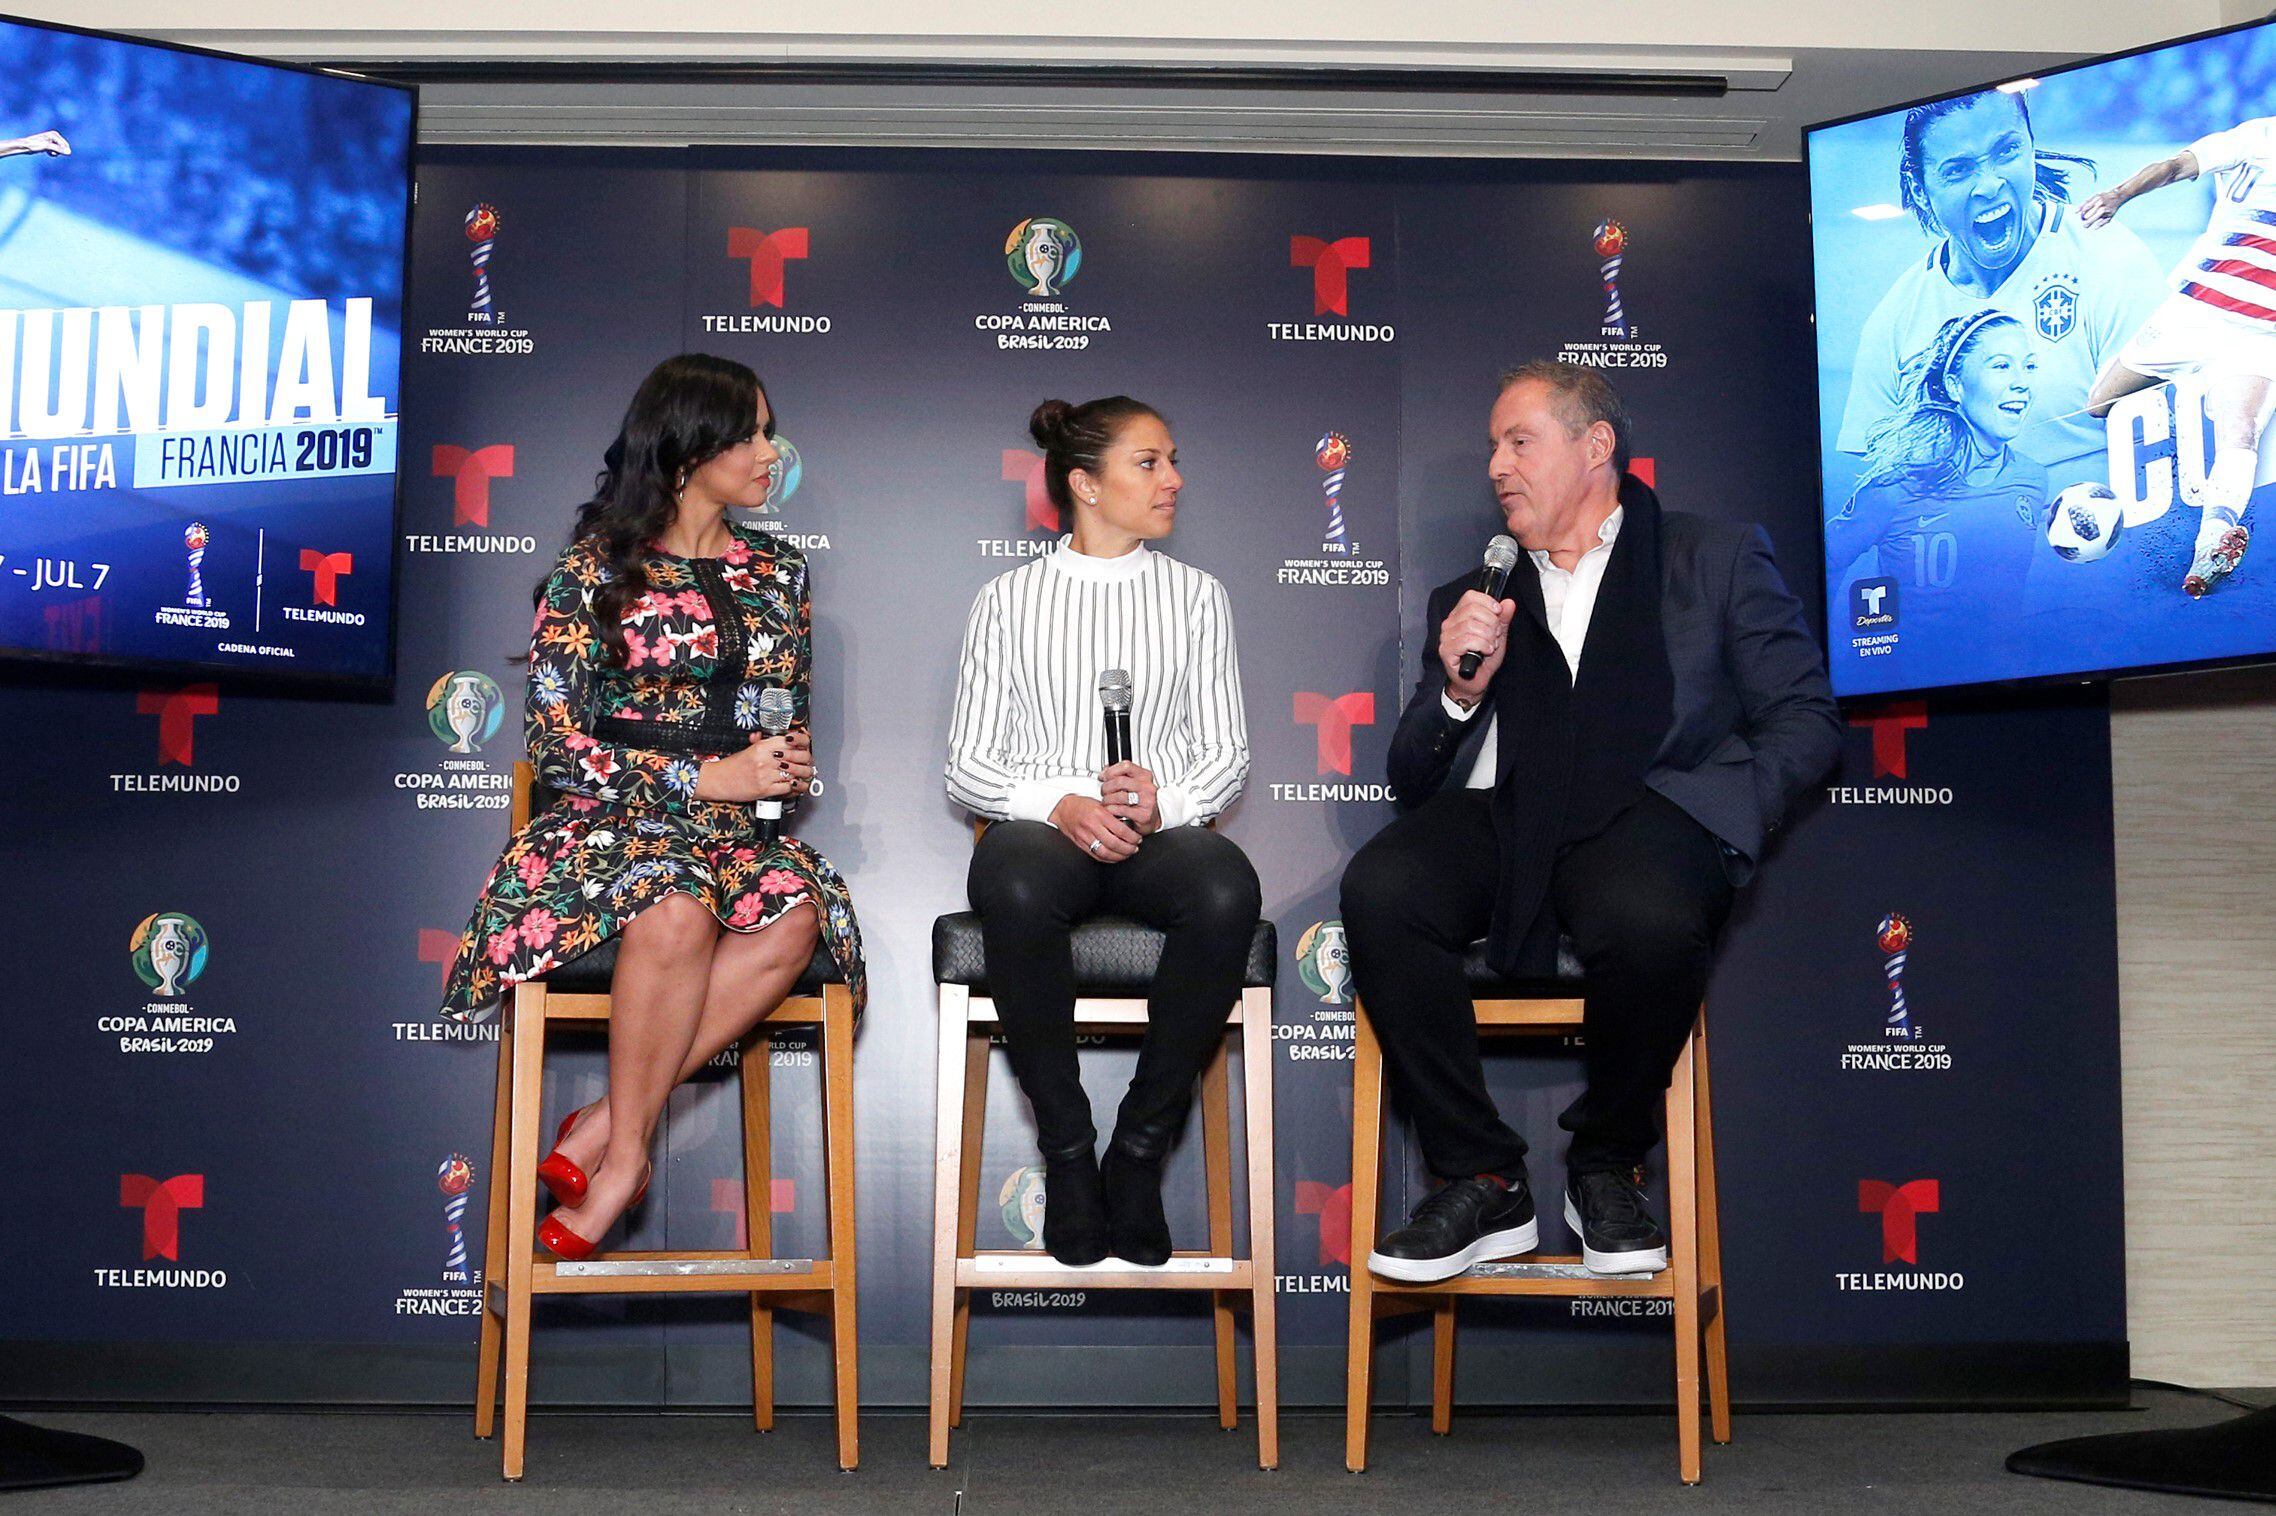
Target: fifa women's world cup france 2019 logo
{"points": [[464, 709], [482, 232], [1043, 255], [194, 540], [1323, 962], [169, 952], [455, 1178], [1611, 242], [1333, 453], [1894, 938]]}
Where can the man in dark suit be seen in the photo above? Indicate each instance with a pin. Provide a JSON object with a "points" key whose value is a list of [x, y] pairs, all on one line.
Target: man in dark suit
{"points": [[1647, 705]]}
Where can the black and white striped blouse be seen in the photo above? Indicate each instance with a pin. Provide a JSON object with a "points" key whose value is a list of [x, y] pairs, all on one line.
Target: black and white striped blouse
{"points": [[1027, 728]]}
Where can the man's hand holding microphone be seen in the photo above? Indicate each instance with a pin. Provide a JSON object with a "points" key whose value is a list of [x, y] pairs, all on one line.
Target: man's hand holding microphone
{"points": [[1475, 634]]}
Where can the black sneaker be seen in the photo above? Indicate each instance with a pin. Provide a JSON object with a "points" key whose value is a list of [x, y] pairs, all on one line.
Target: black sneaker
{"points": [[1463, 1222], [1618, 1235]]}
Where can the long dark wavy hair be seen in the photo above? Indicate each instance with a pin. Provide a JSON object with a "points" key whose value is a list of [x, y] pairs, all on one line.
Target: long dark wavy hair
{"points": [[1925, 444], [688, 411]]}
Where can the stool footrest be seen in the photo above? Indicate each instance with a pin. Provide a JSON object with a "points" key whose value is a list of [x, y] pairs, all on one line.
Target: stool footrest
{"points": [[636, 1273], [1552, 1268], [1552, 1276], [1005, 1270], [627, 1266]]}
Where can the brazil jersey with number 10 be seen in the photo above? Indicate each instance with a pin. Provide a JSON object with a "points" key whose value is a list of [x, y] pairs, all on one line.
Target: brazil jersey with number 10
{"points": [[1959, 560]]}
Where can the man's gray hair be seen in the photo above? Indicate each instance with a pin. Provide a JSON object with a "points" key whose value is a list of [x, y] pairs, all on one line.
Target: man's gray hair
{"points": [[1582, 396]]}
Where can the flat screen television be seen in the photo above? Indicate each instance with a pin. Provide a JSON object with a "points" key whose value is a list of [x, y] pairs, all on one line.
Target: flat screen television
{"points": [[201, 304], [2046, 335]]}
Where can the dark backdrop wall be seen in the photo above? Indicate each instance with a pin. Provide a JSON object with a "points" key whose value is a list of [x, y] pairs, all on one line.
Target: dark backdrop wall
{"points": [[1921, 1200]]}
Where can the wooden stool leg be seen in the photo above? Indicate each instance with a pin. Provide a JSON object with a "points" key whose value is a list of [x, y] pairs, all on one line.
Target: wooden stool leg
{"points": [[521, 1211], [1683, 1259], [1711, 1250], [1366, 1200], [845, 1264], [1442, 1365], [756, 1074], [1257, 1054], [974, 1144], [948, 1169], [1217, 1184], [494, 1235]]}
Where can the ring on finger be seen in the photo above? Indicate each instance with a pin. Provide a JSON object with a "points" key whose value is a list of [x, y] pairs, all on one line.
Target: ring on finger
{"points": [[1129, 797], [1097, 845]]}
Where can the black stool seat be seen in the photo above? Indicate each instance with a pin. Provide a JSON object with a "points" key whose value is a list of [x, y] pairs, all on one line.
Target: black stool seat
{"points": [[1487, 983], [1113, 955], [590, 973]]}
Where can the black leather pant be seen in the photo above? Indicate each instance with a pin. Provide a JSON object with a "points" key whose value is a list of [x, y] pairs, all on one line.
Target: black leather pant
{"points": [[1032, 886], [1642, 901]]}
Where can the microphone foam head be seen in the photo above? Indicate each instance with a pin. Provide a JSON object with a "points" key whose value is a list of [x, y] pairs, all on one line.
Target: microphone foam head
{"points": [[775, 710], [1114, 689], [1501, 553]]}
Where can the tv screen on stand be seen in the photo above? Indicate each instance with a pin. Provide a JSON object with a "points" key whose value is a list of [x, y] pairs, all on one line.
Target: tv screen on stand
{"points": [[2046, 329], [201, 295]]}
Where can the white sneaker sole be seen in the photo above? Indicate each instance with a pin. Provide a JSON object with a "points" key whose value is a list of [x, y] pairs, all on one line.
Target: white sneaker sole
{"points": [[1635, 1261], [1513, 1243]]}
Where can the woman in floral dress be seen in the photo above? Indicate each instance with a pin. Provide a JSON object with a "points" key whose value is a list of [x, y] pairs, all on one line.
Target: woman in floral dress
{"points": [[655, 634]]}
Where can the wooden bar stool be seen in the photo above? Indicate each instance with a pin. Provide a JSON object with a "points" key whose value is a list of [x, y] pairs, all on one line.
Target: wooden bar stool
{"points": [[1114, 966], [576, 996], [1693, 1279]]}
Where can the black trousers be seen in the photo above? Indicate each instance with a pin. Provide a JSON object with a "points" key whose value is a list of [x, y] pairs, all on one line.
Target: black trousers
{"points": [[1032, 887], [1642, 902]]}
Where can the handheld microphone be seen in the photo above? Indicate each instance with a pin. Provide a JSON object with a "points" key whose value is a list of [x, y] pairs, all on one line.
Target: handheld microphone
{"points": [[774, 720], [1114, 695], [1493, 577]]}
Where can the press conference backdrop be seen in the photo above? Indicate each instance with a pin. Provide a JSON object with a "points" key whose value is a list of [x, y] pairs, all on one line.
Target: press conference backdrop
{"points": [[243, 1130]]}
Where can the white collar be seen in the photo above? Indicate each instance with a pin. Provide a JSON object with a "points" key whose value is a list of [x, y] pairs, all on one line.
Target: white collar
{"points": [[1090, 570], [1608, 529]]}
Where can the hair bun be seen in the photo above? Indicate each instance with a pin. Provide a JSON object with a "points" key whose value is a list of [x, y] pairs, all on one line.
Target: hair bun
{"points": [[1048, 426]]}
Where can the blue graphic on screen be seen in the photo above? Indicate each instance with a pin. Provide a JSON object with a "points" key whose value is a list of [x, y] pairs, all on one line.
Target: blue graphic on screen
{"points": [[201, 305], [2046, 319]]}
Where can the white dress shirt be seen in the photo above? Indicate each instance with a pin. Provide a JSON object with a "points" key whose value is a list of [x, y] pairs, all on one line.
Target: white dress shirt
{"points": [[1569, 598]]}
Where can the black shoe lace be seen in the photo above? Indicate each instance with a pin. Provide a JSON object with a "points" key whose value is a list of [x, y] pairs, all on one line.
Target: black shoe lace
{"points": [[1457, 1201], [1610, 1199]]}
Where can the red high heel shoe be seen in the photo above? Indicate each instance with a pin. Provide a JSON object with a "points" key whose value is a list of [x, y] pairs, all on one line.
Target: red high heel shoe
{"points": [[571, 1248], [562, 1178]]}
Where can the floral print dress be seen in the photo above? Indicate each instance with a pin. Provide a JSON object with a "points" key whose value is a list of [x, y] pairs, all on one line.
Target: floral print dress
{"points": [[620, 746]]}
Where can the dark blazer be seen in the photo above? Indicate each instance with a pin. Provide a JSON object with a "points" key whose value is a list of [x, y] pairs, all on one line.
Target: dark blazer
{"points": [[1754, 722]]}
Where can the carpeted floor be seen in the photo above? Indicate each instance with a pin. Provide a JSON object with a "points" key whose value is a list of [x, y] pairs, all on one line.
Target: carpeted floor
{"points": [[1851, 1465]]}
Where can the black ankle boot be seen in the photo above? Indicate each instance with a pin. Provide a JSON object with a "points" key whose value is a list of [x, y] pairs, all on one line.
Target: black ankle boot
{"points": [[1074, 1206], [1132, 1178]]}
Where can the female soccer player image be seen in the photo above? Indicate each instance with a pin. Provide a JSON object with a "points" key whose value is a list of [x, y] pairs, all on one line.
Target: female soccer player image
{"points": [[1973, 174], [2219, 322], [1952, 509]]}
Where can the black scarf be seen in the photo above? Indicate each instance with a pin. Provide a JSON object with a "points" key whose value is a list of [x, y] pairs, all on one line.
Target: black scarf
{"points": [[1573, 752]]}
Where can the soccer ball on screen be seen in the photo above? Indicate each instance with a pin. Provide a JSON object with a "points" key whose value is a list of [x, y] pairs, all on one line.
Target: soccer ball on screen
{"points": [[2083, 523]]}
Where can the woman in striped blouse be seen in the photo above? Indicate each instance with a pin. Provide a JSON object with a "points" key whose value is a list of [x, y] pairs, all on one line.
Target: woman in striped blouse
{"points": [[1075, 837]]}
